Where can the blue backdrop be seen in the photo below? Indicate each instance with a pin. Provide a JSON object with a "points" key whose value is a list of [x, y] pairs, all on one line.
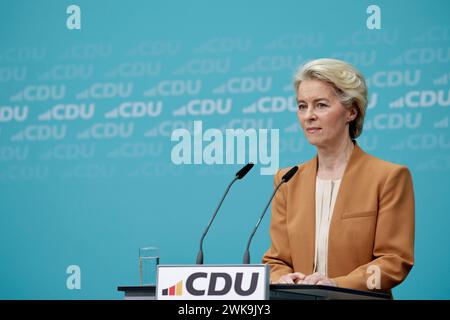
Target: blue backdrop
{"points": [[86, 116]]}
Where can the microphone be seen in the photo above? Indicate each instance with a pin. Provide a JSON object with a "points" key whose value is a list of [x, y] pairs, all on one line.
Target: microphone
{"points": [[287, 176], [239, 175]]}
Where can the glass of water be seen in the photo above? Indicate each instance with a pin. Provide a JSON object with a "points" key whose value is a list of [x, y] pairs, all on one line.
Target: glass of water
{"points": [[148, 261]]}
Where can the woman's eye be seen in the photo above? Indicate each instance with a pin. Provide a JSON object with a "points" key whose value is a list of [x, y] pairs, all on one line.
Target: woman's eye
{"points": [[322, 105], [301, 107]]}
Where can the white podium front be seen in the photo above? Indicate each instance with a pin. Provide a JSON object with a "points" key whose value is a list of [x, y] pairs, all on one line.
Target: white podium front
{"points": [[213, 282]]}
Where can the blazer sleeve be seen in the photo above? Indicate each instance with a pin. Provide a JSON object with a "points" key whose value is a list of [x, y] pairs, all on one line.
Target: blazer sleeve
{"points": [[278, 256], [393, 252]]}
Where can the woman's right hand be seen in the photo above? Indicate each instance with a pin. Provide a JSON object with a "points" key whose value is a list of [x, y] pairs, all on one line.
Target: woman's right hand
{"points": [[291, 278]]}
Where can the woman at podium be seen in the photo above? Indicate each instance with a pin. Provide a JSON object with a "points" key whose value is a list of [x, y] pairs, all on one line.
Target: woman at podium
{"points": [[346, 218]]}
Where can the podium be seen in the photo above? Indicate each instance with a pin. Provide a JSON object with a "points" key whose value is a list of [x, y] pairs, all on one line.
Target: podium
{"points": [[315, 292], [277, 292]]}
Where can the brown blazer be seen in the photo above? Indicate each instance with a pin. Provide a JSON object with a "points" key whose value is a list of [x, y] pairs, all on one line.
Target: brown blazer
{"points": [[372, 223]]}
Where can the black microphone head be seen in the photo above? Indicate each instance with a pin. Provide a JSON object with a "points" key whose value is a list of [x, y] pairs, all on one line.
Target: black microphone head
{"points": [[289, 174], [241, 173]]}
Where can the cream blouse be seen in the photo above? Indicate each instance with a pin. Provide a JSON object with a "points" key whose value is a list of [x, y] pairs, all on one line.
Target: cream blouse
{"points": [[326, 192]]}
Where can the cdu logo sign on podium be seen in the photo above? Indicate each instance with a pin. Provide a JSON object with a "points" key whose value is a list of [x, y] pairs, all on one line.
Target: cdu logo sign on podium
{"points": [[212, 282]]}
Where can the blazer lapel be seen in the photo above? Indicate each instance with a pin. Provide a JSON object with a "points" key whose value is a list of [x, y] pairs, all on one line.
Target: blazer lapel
{"points": [[303, 217], [342, 199]]}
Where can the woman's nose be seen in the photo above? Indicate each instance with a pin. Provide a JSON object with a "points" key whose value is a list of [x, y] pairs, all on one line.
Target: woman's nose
{"points": [[310, 114]]}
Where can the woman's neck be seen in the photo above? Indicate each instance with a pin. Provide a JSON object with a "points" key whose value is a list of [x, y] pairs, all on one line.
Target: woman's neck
{"points": [[332, 160]]}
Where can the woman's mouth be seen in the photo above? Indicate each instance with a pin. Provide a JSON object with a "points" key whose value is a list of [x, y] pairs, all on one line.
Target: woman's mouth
{"points": [[313, 129]]}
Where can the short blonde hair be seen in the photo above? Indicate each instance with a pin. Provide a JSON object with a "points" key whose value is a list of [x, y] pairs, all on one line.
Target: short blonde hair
{"points": [[347, 81]]}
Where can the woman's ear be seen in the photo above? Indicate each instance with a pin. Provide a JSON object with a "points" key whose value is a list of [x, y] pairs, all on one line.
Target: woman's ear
{"points": [[352, 114]]}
